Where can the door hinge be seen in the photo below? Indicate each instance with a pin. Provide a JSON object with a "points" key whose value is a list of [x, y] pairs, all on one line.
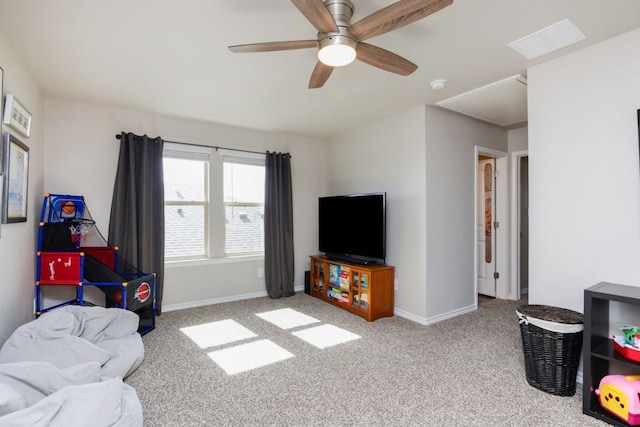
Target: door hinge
{"points": [[496, 224], [496, 275]]}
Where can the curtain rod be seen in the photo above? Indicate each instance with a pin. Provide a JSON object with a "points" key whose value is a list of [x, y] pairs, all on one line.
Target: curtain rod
{"points": [[118, 136]]}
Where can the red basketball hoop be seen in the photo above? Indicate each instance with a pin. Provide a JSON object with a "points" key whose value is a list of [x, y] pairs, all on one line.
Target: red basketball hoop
{"points": [[80, 229]]}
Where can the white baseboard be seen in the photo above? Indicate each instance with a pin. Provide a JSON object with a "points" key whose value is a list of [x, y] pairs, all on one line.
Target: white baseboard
{"points": [[396, 311], [449, 315], [409, 316], [435, 319], [202, 303]]}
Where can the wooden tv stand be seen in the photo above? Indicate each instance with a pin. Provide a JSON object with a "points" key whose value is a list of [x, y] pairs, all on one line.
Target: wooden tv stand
{"points": [[365, 290]]}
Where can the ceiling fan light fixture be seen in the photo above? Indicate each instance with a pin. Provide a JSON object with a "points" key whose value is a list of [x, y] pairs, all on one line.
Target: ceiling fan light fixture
{"points": [[337, 55], [337, 50]]}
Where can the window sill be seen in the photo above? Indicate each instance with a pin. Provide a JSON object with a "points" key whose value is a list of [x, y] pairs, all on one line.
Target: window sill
{"points": [[212, 261]]}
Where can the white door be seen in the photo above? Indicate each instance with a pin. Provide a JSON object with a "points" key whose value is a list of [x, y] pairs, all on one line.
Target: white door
{"points": [[486, 232]]}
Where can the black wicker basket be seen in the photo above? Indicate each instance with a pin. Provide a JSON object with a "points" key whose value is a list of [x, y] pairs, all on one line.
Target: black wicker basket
{"points": [[552, 341]]}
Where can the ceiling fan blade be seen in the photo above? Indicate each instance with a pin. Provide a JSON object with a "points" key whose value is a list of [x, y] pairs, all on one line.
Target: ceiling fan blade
{"points": [[316, 12], [273, 46], [384, 59], [320, 75], [395, 16]]}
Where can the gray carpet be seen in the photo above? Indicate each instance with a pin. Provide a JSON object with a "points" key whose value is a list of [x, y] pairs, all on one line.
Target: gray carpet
{"points": [[468, 370]]}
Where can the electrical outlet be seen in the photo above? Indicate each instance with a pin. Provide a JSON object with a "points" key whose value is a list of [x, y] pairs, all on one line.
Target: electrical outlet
{"points": [[395, 284], [260, 272]]}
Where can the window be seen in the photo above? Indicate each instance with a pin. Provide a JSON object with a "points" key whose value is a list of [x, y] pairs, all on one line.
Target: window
{"points": [[185, 205], [214, 202], [243, 205]]}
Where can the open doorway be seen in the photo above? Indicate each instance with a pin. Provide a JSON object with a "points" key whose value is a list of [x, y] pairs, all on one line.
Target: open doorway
{"points": [[491, 225], [520, 224], [523, 256]]}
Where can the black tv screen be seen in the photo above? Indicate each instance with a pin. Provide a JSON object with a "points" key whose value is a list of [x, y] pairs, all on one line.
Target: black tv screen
{"points": [[352, 227]]}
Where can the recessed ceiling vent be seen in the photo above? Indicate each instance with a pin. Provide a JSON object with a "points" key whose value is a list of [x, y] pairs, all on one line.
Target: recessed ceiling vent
{"points": [[546, 40]]}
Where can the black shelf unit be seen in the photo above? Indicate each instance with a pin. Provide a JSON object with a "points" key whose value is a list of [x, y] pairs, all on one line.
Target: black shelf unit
{"points": [[598, 356]]}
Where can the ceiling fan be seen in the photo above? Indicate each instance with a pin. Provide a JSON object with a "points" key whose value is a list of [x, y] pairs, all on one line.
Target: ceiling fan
{"points": [[339, 42]]}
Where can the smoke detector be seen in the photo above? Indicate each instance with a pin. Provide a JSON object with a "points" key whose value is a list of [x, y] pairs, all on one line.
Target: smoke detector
{"points": [[438, 84]]}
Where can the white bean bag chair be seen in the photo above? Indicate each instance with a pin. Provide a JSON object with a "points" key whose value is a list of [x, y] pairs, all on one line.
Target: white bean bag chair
{"points": [[39, 394], [73, 335]]}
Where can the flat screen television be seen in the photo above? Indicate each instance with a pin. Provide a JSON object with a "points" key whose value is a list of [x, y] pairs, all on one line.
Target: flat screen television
{"points": [[352, 227]]}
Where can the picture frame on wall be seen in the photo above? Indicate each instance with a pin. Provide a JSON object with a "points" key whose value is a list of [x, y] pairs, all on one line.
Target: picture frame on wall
{"points": [[1, 167], [16, 115], [1, 192], [15, 167], [1, 93]]}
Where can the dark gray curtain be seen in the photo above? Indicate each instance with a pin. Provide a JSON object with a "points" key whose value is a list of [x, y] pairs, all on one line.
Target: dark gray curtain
{"points": [[137, 209], [278, 226]]}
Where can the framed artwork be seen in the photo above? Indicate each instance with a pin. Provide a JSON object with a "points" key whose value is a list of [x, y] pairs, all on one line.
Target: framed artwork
{"points": [[1, 190], [1, 92], [16, 116], [15, 164], [1, 168]]}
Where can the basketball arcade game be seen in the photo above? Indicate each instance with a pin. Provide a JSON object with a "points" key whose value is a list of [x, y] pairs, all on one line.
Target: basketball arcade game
{"points": [[64, 260]]}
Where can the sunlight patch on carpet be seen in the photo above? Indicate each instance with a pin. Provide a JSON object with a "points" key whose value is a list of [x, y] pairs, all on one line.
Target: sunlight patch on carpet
{"points": [[245, 357], [217, 333], [326, 336], [287, 318]]}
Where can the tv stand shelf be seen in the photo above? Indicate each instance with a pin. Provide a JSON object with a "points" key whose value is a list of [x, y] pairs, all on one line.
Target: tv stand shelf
{"points": [[365, 290]]}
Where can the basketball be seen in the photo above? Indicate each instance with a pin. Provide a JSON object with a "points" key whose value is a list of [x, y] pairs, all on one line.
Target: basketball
{"points": [[68, 208]]}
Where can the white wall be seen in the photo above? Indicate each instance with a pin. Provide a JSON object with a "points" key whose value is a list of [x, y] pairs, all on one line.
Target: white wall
{"points": [[450, 194], [389, 156], [17, 241], [583, 170], [81, 158], [518, 142], [518, 139], [425, 160]]}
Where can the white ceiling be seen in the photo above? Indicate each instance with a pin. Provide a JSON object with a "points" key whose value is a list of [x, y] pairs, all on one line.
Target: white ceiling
{"points": [[171, 57]]}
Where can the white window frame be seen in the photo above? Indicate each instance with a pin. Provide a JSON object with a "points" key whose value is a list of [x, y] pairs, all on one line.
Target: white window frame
{"points": [[245, 158], [187, 152], [215, 227]]}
